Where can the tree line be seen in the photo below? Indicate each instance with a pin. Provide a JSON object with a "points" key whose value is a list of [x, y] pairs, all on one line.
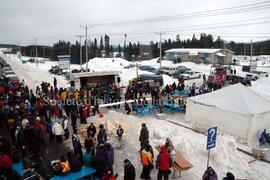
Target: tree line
{"points": [[133, 51]]}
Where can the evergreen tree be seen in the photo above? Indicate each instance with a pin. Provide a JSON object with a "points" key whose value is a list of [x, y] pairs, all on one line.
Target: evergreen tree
{"points": [[101, 46], [107, 45]]}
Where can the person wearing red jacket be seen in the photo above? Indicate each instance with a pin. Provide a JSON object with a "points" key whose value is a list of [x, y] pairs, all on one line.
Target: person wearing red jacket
{"points": [[85, 113], [5, 162], [163, 164]]}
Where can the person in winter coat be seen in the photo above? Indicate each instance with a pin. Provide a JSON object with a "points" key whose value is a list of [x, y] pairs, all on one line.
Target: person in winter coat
{"points": [[54, 82], [169, 143], [109, 156], [101, 151], [129, 171], [99, 164], [92, 130], [229, 176], [74, 115], [84, 115], [74, 162], [120, 132], [163, 164], [144, 136], [102, 135], [147, 162], [134, 105], [87, 157], [77, 145], [209, 174], [57, 130], [145, 102], [28, 172], [65, 126], [89, 142], [140, 104], [127, 108], [65, 166]]}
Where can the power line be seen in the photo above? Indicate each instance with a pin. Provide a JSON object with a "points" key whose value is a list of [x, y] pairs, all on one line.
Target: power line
{"points": [[223, 11], [240, 23]]}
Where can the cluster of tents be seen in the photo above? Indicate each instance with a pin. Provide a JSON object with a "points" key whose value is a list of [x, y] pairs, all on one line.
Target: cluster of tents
{"points": [[238, 110]]}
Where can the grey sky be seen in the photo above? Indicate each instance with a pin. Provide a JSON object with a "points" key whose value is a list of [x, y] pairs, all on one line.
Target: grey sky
{"points": [[50, 20]]}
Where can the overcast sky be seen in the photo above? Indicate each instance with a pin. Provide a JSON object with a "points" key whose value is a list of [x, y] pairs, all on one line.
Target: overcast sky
{"points": [[51, 20]]}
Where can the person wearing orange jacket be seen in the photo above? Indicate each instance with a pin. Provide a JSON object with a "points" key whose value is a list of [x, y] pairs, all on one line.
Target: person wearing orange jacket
{"points": [[147, 162]]}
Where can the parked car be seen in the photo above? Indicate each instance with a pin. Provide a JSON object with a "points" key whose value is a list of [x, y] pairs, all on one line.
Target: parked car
{"points": [[178, 73], [7, 68], [164, 70], [147, 68], [129, 66], [259, 73], [156, 79], [8, 74], [13, 79], [190, 75], [252, 77]]}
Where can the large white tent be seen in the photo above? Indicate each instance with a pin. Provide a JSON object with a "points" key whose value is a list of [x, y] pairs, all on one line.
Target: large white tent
{"points": [[236, 110], [262, 87]]}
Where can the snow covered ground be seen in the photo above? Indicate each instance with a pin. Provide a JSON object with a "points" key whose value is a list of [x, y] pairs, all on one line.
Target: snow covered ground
{"points": [[190, 144], [32, 74], [35, 74]]}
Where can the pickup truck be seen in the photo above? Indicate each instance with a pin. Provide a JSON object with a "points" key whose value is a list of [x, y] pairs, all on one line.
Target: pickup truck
{"points": [[190, 75]]}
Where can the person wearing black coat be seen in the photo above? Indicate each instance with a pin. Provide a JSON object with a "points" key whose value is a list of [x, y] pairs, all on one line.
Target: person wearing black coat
{"points": [[74, 162], [99, 164], [91, 130], [109, 156], [102, 135], [144, 136], [129, 172]]}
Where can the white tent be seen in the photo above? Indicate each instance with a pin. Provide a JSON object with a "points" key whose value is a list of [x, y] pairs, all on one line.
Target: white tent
{"points": [[236, 110], [262, 87]]}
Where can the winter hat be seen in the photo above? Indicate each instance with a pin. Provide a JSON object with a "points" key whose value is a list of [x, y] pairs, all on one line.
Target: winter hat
{"points": [[38, 119], [229, 176], [126, 162]]}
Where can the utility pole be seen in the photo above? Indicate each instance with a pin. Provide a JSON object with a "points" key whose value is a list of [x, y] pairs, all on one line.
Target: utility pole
{"points": [[36, 51], [43, 52], [86, 46], [160, 46], [20, 53], [69, 61], [125, 46], [80, 36], [251, 52]]}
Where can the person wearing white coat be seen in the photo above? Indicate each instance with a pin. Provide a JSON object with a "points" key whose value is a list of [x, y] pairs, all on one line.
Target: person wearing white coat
{"points": [[58, 130]]}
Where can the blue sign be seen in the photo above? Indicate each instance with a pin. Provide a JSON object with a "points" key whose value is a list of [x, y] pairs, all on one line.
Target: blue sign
{"points": [[64, 62], [205, 55], [171, 56], [211, 138]]}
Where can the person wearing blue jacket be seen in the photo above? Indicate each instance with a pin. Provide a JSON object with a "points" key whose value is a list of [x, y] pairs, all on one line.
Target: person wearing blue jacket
{"points": [[77, 145]]}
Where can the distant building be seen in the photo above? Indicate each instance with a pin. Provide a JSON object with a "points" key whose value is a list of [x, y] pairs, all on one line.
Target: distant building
{"points": [[208, 56]]}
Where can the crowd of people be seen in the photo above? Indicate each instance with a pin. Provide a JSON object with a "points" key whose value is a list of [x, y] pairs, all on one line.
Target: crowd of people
{"points": [[33, 118]]}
